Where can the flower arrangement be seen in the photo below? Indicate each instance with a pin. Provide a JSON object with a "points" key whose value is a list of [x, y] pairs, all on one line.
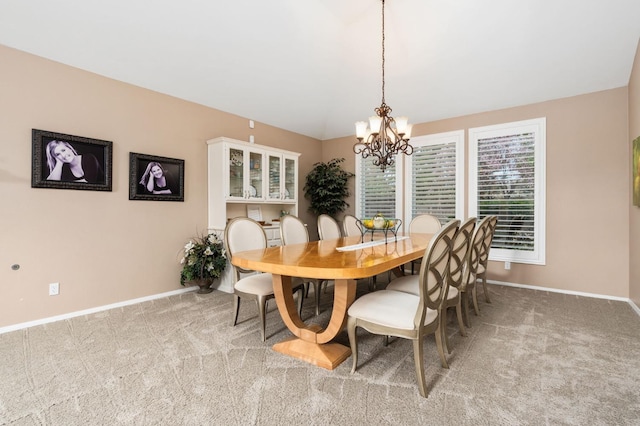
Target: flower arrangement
{"points": [[204, 258]]}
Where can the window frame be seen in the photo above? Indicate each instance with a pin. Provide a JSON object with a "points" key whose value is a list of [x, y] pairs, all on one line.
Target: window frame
{"points": [[455, 136], [538, 127]]}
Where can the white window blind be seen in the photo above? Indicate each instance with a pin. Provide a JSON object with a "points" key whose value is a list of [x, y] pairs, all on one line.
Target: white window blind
{"points": [[507, 180], [435, 177], [376, 190]]}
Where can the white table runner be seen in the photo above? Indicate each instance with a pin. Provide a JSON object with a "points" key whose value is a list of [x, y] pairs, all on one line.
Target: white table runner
{"points": [[369, 244]]}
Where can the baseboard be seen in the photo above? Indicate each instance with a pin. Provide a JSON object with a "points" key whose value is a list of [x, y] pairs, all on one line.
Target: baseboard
{"points": [[28, 324], [577, 293]]}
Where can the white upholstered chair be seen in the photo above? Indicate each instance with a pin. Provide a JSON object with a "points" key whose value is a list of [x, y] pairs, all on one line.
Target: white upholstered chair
{"points": [[350, 226], [471, 267], [242, 234], [328, 228], [484, 257], [459, 250], [293, 231], [425, 224], [405, 315]]}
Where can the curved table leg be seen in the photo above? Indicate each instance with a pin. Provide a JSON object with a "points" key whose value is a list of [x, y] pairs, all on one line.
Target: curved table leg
{"points": [[311, 343]]}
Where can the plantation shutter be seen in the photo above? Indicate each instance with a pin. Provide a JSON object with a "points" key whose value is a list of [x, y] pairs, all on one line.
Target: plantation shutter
{"points": [[433, 181], [506, 188], [376, 189]]}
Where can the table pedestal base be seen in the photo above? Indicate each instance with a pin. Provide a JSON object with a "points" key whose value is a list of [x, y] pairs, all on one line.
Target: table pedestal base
{"points": [[328, 355]]}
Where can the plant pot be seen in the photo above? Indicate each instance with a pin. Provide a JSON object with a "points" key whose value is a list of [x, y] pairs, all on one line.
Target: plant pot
{"points": [[204, 284]]}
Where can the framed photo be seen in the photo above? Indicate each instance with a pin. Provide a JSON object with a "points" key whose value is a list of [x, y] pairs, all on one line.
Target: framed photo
{"points": [[70, 162], [155, 178]]}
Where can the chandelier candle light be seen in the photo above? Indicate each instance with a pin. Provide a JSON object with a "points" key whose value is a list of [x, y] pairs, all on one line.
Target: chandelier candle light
{"points": [[386, 136]]}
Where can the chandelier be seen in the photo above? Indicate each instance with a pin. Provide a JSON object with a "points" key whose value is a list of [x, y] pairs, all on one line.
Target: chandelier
{"points": [[386, 137]]}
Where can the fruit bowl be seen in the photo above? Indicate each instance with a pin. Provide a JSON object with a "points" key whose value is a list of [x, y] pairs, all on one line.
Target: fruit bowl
{"points": [[378, 223]]}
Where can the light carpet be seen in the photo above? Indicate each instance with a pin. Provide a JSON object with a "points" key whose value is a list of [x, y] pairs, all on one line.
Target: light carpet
{"points": [[531, 358]]}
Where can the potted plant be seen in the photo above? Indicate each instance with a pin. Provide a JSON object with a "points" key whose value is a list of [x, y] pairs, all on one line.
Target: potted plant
{"points": [[204, 259], [326, 187]]}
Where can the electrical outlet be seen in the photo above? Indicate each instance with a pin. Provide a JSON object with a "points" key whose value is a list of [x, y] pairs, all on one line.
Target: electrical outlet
{"points": [[54, 289], [507, 265]]}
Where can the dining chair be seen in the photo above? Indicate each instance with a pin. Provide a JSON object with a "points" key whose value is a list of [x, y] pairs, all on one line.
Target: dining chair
{"points": [[328, 228], [459, 250], [294, 231], [470, 270], [405, 315], [484, 258], [242, 234], [426, 224], [350, 226]]}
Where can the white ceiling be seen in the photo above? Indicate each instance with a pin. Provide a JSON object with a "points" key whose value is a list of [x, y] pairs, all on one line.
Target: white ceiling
{"points": [[314, 66]]}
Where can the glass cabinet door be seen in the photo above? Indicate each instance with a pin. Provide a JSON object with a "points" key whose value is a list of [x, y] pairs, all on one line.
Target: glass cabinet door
{"points": [[255, 189], [290, 178], [274, 177], [236, 173]]}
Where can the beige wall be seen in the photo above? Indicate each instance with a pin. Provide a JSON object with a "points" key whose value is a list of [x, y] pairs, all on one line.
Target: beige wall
{"points": [[634, 213], [587, 190], [100, 246], [104, 249]]}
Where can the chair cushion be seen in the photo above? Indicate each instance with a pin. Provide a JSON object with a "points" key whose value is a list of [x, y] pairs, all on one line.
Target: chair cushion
{"points": [[259, 284], [390, 308], [409, 284], [406, 284]]}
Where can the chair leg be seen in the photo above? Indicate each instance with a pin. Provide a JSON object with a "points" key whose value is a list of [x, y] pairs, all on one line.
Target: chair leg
{"points": [[262, 311], [236, 308], [484, 287], [474, 297], [353, 342], [463, 332], [317, 289], [465, 308], [300, 300], [439, 344], [419, 361]]}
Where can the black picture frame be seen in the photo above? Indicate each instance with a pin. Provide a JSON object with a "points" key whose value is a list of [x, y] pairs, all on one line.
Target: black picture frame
{"points": [[89, 166], [172, 170]]}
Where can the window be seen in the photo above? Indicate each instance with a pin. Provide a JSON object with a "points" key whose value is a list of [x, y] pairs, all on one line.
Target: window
{"points": [[377, 191], [506, 178], [434, 179]]}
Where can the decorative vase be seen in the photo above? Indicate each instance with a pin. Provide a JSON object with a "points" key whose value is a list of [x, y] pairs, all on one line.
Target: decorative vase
{"points": [[204, 284]]}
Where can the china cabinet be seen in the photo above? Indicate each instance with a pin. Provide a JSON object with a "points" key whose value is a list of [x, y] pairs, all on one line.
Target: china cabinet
{"points": [[244, 178]]}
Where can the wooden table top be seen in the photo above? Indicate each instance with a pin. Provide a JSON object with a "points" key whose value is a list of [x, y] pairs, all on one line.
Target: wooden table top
{"points": [[320, 259]]}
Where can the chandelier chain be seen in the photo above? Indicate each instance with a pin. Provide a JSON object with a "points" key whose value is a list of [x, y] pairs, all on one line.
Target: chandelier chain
{"points": [[383, 51]]}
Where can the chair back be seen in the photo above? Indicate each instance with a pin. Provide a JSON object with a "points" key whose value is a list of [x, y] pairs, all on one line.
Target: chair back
{"points": [[490, 224], [350, 226], [474, 254], [425, 224], [459, 250], [242, 234], [434, 271], [328, 227], [293, 231]]}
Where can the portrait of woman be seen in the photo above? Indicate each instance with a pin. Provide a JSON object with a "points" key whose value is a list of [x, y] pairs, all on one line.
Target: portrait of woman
{"points": [[157, 180], [65, 164]]}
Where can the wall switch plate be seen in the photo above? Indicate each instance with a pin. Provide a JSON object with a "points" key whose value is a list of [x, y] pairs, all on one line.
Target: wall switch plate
{"points": [[54, 289], [507, 265], [251, 139]]}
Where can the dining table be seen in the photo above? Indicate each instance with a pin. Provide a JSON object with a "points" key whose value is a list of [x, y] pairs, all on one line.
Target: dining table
{"points": [[343, 260]]}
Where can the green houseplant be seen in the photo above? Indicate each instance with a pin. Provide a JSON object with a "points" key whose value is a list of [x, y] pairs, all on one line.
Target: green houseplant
{"points": [[326, 187], [204, 259]]}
